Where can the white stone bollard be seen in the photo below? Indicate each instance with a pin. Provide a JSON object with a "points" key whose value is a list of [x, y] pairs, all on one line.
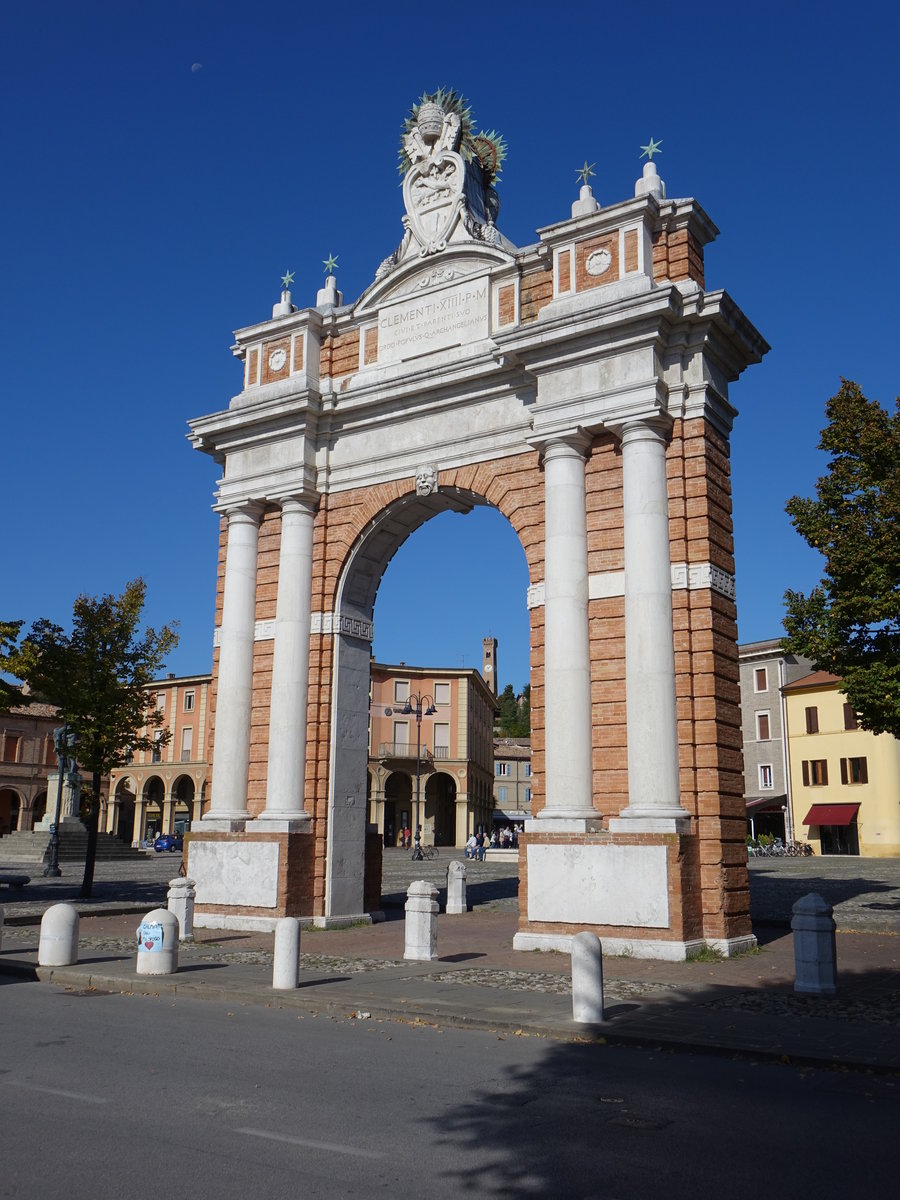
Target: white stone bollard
{"points": [[1, 926], [286, 969], [587, 978], [456, 887], [180, 901], [815, 950], [421, 921], [58, 946], [157, 938]]}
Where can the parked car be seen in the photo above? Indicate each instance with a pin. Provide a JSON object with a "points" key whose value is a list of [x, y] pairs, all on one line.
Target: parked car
{"points": [[168, 841]]}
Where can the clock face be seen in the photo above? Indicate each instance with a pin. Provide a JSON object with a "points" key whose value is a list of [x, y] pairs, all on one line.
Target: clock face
{"points": [[277, 359]]}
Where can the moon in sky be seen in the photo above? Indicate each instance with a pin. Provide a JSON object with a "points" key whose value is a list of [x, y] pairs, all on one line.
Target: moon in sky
{"points": [[195, 67]]}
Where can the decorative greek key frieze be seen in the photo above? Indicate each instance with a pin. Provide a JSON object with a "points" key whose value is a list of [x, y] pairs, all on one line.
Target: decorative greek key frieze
{"points": [[685, 576], [330, 623], [263, 631], [692, 576]]}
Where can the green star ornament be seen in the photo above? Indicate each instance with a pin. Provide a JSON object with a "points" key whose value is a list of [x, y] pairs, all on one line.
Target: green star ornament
{"points": [[287, 279], [586, 172], [653, 148], [329, 263]]}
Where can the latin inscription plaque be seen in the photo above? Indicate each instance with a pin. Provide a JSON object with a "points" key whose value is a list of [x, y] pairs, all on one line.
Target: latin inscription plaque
{"points": [[451, 316]]}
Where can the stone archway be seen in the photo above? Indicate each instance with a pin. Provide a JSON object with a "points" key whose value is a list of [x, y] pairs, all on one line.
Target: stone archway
{"points": [[580, 386], [10, 803], [440, 809]]}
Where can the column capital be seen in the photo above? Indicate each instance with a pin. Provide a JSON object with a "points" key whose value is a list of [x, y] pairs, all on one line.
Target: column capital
{"points": [[304, 501], [655, 427], [242, 511], [563, 444]]}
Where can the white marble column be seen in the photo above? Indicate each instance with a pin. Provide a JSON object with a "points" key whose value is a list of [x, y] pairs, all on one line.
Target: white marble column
{"points": [[290, 669], [567, 660], [231, 754], [653, 781]]}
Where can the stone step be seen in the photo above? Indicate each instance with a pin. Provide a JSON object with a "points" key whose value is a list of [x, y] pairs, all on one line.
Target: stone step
{"points": [[23, 846]]}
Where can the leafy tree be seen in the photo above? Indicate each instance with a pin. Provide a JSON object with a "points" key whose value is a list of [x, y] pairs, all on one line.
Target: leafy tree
{"points": [[97, 677], [849, 624], [10, 695], [514, 718]]}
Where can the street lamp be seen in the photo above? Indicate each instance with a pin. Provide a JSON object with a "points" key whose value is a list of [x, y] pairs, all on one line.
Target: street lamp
{"points": [[63, 742], [420, 706]]}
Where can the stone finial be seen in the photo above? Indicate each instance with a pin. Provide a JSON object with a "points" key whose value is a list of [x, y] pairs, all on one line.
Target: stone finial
{"points": [[284, 307], [650, 183], [586, 202], [329, 296]]}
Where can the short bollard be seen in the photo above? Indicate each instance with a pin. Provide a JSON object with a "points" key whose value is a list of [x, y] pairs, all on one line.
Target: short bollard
{"points": [[456, 887], [286, 970], [157, 938], [1, 926], [180, 901], [587, 978], [815, 951], [58, 946], [421, 921]]}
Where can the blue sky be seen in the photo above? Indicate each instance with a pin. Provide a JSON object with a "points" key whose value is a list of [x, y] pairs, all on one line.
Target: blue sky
{"points": [[165, 162]]}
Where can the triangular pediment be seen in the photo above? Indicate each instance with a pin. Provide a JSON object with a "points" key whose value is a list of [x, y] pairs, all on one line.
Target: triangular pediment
{"points": [[419, 277]]}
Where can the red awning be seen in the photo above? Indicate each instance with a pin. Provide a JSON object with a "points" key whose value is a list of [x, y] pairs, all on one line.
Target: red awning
{"points": [[831, 814]]}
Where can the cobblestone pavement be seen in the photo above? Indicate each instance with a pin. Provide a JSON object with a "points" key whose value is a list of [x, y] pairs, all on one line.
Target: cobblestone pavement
{"points": [[865, 892]]}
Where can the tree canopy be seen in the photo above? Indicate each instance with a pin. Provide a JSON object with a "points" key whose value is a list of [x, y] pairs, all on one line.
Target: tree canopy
{"points": [[10, 695], [849, 624], [514, 718], [97, 677]]}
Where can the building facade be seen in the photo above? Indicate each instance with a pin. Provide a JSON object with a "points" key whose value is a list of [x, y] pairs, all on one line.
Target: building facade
{"points": [[580, 386], [435, 771], [27, 758], [765, 669], [163, 790], [512, 781], [845, 781]]}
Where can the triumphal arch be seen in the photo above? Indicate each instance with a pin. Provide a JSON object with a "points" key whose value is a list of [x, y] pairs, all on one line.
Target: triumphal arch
{"points": [[580, 386]]}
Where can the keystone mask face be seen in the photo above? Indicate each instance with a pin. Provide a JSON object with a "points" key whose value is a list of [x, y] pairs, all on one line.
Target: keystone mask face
{"points": [[426, 481]]}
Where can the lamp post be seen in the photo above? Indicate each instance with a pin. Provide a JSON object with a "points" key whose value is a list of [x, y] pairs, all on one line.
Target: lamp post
{"points": [[420, 706], [63, 742]]}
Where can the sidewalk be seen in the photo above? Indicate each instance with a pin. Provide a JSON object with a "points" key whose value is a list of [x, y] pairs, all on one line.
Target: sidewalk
{"points": [[744, 1005]]}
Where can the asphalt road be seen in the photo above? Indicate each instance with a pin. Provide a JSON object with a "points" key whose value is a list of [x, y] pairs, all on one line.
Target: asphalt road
{"points": [[109, 1096]]}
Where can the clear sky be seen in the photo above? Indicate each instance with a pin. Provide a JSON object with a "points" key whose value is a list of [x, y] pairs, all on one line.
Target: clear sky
{"points": [[165, 162]]}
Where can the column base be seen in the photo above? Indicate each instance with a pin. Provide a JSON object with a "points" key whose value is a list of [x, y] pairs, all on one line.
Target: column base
{"points": [[280, 823], [614, 947], [224, 823], [559, 821], [646, 821]]}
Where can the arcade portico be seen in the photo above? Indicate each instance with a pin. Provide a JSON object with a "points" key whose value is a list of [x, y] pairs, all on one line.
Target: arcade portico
{"points": [[580, 386]]}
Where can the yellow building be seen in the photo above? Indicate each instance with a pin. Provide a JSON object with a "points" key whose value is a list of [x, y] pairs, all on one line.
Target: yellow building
{"points": [[845, 781]]}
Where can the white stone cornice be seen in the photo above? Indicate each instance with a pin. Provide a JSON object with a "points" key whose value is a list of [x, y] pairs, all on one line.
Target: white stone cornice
{"points": [[603, 585]]}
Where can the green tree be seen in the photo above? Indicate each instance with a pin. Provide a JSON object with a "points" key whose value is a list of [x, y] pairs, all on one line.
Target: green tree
{"points": [[10, 694], [508, 715], [97, 677], [850, 623]]}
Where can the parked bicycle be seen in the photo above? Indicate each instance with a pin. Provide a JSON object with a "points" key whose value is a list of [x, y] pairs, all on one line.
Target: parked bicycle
{"points": [[424, 852]]}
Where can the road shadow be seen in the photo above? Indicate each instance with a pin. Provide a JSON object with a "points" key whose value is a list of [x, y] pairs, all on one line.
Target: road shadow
{"points": [[589, 1120]]}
